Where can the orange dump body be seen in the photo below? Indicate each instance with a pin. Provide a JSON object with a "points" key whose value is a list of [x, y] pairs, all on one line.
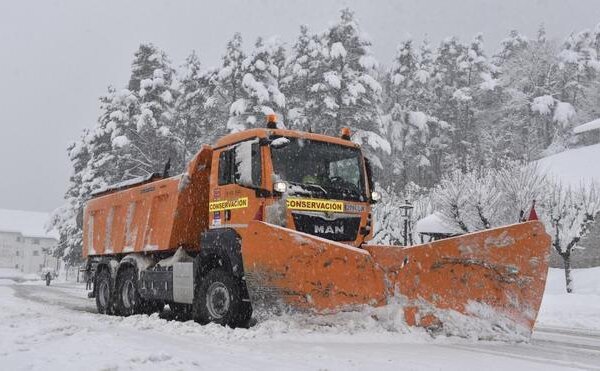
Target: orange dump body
{"points": [[157, 216], [495, 275]]}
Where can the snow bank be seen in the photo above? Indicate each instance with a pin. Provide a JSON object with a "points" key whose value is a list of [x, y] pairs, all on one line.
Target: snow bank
{"points": [[581, 309]]}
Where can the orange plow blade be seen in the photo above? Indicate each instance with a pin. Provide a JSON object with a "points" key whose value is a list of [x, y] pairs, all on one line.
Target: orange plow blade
{"points": [[307, 272], [496, 275]]}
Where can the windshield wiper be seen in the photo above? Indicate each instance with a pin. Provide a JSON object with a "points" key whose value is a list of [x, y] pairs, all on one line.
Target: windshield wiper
{"points": [[319, 187], [308, 185]]}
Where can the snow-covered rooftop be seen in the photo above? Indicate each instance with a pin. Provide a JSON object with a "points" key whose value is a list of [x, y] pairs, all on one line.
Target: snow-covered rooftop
{"points": [[574, 166], [434, 223], [589, 126], [28, 223]]}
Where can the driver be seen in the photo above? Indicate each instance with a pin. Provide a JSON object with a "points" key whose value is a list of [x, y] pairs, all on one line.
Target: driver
{"points": [[316, 174]]}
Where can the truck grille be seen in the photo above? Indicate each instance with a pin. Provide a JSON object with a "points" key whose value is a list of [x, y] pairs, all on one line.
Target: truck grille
{"points": [[340, 227]]}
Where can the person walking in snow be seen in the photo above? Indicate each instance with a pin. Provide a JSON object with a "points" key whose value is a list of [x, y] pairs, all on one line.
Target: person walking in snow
{"points": [[88, 277]]}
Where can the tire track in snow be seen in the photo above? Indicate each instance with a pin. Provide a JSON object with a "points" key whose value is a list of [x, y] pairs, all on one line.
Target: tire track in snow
{"points": [[563, 347], [55, 296]]}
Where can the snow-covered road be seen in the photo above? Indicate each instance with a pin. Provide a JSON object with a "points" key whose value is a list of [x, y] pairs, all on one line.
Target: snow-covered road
{"points": [[56, 328]]}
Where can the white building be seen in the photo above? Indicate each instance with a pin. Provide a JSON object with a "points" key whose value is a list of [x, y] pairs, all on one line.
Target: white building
{"points": [[25, 245]]}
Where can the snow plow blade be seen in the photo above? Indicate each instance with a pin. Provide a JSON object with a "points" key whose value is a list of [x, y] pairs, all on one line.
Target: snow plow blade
{"points": [[497, 275]]}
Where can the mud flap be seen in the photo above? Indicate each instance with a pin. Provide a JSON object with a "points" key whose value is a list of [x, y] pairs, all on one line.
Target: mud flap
{"points": [[285, 268], [497, 276]]}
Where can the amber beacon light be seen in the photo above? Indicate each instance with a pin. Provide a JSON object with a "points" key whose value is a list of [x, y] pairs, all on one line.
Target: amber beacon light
{"points": [[345, 133], [272, 121]]}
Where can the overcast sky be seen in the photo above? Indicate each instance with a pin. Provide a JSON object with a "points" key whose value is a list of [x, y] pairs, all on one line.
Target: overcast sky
{"points": [[57, 57]]}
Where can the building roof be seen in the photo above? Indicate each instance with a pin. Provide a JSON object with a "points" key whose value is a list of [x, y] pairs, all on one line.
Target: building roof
{"points": [[589, 126], [435, 224], [28, 223]]}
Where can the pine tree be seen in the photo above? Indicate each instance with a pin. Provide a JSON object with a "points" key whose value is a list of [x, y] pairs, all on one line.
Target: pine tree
{"points": [[151, 142], [579, 65], [193, 121], [228, 93], [302, 84], [514, 43], [352, 93], [416, 135], [107, 143], [348, 93], [260, 83], [68, 219], [403, 77]]}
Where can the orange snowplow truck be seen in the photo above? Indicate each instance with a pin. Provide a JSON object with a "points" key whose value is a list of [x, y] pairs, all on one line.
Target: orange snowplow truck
{"points": [[281, 219]]}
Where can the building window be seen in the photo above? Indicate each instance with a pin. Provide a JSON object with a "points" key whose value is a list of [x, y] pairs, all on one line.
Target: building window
{"points": [[36, 241], [17, 252], [18, 238], [36, 253], [16, 266]]}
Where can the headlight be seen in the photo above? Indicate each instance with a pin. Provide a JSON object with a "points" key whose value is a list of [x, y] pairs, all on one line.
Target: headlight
{"points": [[280, 187], [375, 196]]}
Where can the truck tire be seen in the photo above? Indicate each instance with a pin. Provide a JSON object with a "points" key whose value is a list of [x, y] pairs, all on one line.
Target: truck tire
{"points": [[128, 297], [104, 292], [218, 299]]}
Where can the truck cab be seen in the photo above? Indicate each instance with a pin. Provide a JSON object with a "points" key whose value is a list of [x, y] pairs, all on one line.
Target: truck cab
{"points": [[308, 182]]}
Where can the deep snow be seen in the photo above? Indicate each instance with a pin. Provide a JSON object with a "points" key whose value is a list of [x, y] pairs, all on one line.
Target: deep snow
{"points": [[56, 328]]}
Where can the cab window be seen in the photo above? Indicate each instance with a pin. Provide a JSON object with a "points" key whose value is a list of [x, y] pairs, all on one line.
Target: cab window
{"points": [[241, 164]]}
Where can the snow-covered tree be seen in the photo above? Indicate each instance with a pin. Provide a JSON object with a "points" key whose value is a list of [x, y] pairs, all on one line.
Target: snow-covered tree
{"points": [[193, 121], [483, 199], [568, 214], [389, 221], [579, 65], [68, 218], [514, 43], [417, 137], [261, 86], [228, 94], [110, 162], [302, 84], [351, 92], [151, 143]]}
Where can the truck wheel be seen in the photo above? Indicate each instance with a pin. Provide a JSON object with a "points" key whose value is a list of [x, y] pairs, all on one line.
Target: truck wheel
{"points": [[218, 299], [104, 294], [129, 300]]}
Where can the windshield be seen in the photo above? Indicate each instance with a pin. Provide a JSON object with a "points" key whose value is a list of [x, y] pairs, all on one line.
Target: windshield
{"points": [[320, 169]]}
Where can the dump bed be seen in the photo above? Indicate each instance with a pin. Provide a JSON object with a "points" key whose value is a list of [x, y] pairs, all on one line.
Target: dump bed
{"points": [[158, 215]]}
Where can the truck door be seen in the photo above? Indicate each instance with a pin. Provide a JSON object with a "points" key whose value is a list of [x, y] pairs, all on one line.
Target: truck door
{"points": [[233, 200]]}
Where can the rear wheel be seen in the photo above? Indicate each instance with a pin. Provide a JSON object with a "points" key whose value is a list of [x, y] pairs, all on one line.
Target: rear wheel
{"points": [[104, 294], [218, 299], [129, 300]]}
